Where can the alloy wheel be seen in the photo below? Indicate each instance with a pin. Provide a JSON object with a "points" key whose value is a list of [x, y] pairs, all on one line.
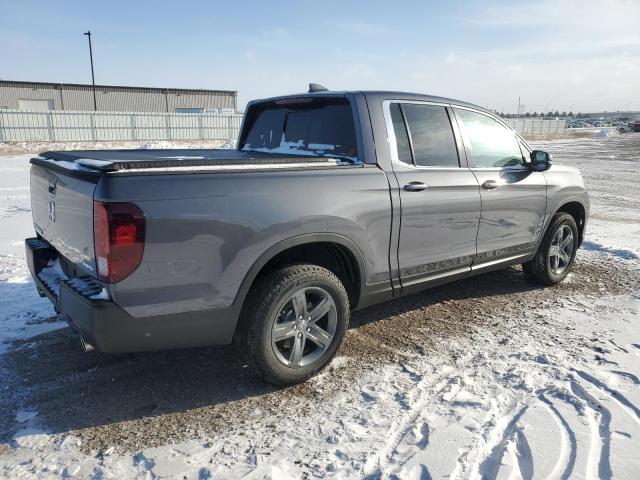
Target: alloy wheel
{"points": [[561, 249], [304, 327]]}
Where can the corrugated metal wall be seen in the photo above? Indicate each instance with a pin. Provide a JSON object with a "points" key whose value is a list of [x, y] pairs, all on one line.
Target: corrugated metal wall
{"points": [[72, 97], [58, 126], [10, 96]]}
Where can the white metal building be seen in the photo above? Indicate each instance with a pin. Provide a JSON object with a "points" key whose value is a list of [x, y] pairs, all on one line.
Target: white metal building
{"points": [[38, 96]]}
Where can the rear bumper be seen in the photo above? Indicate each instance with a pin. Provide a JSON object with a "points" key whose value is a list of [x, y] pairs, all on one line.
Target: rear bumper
{"points": [[97, 320], [108, 327]]}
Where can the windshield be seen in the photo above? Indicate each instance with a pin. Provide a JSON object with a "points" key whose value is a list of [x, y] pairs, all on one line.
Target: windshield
{"points": [[320, 127]]}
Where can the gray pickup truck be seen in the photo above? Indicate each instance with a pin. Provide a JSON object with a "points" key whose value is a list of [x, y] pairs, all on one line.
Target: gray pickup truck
{"points": [[331, 202]]}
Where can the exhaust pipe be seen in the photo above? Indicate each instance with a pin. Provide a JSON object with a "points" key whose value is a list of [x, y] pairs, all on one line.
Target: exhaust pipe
{"points": [[87, 347]]}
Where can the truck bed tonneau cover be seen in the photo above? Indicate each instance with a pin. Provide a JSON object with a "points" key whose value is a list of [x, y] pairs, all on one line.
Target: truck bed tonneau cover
{"points": [[115, 160]]}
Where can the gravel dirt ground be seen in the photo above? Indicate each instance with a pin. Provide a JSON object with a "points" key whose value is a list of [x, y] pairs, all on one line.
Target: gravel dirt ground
{"points": [[489, 377]]}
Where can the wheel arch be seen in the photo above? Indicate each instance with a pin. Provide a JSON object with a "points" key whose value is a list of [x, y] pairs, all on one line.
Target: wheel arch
{"points": [[578, 211], [330, 250]]}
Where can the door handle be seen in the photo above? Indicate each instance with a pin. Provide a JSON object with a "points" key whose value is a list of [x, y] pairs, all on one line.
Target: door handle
{"points": [[415, 186], [490, 185]]}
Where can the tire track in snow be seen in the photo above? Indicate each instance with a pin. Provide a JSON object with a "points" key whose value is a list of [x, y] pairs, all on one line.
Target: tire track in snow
{"points": [[378, 466], [622, 349], [600, 419], [616, 396], [524, 455], [627, 375], [493, 450], [570, 439]]}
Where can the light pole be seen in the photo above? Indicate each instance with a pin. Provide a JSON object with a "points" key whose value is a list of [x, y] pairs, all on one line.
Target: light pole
{"points": [[93, 80]]}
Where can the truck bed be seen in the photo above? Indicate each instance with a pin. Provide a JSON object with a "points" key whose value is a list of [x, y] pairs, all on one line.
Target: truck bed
{"points": [[106, 161]]}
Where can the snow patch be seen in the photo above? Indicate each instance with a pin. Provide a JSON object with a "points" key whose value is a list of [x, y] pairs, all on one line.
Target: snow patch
{"points": [[606, 133], [53, 276], [557, 399], [102, 295], [25, 415]]}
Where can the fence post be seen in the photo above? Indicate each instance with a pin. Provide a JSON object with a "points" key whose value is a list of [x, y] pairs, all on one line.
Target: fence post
{"points": [[52, 135], [230, 127], [92, 123], [132, 124], [167, 123], [200, 126], [1, 127]]}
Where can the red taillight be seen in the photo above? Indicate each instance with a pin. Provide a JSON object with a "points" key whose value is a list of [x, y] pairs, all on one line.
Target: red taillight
{"points": [[118, 233]]}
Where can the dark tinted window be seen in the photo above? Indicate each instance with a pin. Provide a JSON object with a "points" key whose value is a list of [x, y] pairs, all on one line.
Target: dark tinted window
{"points": [[321, 127], [491, 143], [402, 140], [431, 135], [266, 131]]}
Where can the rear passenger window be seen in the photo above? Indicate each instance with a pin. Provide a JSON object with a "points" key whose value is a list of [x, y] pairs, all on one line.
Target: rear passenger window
{"points": [[402, 139], [430, 135]]}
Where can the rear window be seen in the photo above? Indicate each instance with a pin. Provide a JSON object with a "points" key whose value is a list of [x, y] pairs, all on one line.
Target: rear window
{"points": [[431, 134], [321, 127], [402, 139]]}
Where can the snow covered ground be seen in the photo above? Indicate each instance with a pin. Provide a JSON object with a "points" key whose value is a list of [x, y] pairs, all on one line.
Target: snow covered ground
{"points": [[489, 377]]}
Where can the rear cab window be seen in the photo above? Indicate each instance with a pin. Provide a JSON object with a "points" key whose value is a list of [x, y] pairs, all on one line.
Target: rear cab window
{"points": [[424, 135], [307, 126]]}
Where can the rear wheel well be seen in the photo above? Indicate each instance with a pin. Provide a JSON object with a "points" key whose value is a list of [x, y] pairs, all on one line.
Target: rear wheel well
{"points": [[576, 210], [333, 256]]}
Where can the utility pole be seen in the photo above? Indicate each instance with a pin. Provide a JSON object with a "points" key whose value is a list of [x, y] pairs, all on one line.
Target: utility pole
{"points": [[518, 114], [93, 79]]}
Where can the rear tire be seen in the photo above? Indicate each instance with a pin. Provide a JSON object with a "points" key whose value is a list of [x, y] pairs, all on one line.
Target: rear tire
{"points": [[556, 254], [294, 321]]}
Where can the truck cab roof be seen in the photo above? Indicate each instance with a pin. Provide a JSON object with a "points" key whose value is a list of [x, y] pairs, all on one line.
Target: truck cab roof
{"points": [[372, 95]]}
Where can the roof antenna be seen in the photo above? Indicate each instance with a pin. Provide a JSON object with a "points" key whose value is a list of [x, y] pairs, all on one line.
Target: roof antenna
{"points": [[316, 87]]}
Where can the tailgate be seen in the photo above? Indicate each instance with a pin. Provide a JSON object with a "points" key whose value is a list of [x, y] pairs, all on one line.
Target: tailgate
{"points": [[62, 209]]}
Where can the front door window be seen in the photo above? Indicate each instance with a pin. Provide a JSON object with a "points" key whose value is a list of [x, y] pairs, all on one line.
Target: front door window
{"points": [[491, 144]]}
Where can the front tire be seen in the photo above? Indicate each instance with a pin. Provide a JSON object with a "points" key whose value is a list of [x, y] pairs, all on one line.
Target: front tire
{"points": [[294, 321], [555, 257]]}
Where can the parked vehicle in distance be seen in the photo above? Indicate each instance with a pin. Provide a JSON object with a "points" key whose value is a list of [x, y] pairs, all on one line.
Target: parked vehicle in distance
{"points": [[331, 202]]}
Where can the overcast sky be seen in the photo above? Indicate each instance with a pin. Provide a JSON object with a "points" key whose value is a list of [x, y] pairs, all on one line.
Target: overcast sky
{"points": [[580, 55]]}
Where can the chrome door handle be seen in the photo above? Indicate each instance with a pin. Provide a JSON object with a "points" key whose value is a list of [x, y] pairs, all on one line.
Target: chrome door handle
{"points": [[415, 186], [490, 184]]}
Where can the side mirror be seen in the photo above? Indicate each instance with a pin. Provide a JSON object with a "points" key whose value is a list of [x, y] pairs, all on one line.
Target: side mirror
{"points": [[541, 161]]}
